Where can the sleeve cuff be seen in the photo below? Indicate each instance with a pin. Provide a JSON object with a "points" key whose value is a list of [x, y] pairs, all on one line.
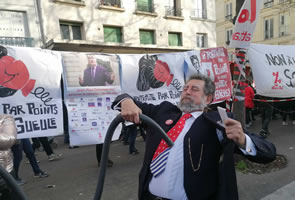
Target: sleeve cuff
{"points": [[250, 147], [117, 106]]}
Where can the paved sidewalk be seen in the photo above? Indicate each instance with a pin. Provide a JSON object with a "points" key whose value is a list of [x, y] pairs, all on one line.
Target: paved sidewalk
{"points": [[74, 177], [278, 185]]}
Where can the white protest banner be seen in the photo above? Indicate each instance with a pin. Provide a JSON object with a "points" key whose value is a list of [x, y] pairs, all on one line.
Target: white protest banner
{"points": [[214, 63], [273, 69], [245, 24], [153, 78], [91, 84], [30, 90]]}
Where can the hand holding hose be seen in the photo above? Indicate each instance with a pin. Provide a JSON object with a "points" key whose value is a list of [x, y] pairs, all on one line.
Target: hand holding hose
{"points": [[130, 111]]}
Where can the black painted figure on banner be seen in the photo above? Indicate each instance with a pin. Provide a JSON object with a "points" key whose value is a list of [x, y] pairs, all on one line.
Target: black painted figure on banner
{"points": [[200, 164], [195, 62], [153, 73], [96, 75]]}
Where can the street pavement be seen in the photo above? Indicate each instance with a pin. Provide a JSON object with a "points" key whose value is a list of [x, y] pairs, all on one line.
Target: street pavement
{"points": [[74, 177]]}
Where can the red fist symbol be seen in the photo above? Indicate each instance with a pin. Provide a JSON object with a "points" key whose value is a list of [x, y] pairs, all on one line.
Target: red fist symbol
{"points": [[15, 75], [162, 72]]}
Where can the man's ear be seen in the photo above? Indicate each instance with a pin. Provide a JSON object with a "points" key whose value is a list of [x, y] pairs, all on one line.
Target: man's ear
{"points": [[209, 99]]}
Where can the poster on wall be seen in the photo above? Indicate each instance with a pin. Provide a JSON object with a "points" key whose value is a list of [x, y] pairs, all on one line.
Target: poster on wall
{"points": [[273, 69], [91, 83], [30, 90], [153, 78], [213, 63]]}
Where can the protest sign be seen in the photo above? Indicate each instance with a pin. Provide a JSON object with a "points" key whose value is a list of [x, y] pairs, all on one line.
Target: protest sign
{"points": [[30, 90], [273, 69], [153, 78], [91, 83], [245, 24], [213, 63]]}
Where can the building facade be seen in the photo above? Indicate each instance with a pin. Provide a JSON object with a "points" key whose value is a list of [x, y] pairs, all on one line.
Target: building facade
{"points": [[273, 27], [125, 26]]}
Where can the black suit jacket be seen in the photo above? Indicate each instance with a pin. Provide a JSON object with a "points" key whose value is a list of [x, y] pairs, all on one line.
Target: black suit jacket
{"points": [[216, 178]]}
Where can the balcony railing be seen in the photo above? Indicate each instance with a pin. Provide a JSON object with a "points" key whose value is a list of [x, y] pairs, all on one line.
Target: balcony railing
{"points": [[145, 7], [228, 17], [16, 41], [114, 3], [199, 13], [283, 30], [268, 4], [172, 11]]}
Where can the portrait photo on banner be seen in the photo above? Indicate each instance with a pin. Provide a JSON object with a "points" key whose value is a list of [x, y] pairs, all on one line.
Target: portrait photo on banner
{"points": [[90, 69]]}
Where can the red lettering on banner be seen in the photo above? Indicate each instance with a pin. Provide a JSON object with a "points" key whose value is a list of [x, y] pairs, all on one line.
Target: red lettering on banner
{"points": [[244, 16], [244, 36], [277, 82]]}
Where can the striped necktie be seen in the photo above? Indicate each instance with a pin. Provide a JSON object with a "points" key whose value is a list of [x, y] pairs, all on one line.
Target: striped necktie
{"points": [[159, 160]]}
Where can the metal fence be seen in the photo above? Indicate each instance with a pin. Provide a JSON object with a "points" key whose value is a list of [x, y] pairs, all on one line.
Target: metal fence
{"points": [[17, 41], [199, 13]]}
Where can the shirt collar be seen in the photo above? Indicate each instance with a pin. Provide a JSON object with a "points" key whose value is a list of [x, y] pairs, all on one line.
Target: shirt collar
{"points": [[196, 114]]}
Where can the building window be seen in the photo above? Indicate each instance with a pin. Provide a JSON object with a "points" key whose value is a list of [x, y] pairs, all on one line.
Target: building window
{"points": [[229, 33], [283, 27], [268, 28], [268, 3], [147, 36], [71, 31], [202, 40], [114, 3], [228, 11], [200, 9], [145, 5], [174, 39], [112, 34]]}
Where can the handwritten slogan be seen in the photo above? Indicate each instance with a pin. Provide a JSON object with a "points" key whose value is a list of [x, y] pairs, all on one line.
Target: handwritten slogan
{"points": [[276, 64], [213, 63], [30, 90]]}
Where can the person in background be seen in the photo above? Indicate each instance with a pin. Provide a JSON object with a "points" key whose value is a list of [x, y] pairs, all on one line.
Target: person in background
{"points": [[46, 146], [249, 104], [7, 139], [288, 110], [266, 109], [131, 130], [28, 149], [200, 164]]}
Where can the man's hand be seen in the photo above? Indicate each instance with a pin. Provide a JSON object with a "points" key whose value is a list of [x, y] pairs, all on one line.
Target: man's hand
{"points": [[130, 111], [234, 131]]}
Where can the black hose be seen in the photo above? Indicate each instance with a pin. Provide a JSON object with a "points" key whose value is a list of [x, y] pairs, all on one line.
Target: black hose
{"points": [[11, 183], [107, 143]]}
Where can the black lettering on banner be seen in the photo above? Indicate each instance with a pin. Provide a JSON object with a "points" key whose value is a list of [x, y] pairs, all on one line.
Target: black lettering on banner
{"points": [[174, 94], [276, 60], [163, 95], [12, 110], [49, 109], [291, 77], [145, 97], [176, 84], [34, 125]]}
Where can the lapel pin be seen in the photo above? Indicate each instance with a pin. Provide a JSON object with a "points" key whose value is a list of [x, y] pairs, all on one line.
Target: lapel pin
{"points": [[169, 121]]}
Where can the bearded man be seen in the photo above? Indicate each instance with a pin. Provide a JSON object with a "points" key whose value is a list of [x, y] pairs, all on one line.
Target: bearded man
{"points": [[200, 164]]}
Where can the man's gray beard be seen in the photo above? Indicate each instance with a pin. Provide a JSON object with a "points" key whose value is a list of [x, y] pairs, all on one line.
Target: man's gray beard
{"points": [[191, 107]]}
